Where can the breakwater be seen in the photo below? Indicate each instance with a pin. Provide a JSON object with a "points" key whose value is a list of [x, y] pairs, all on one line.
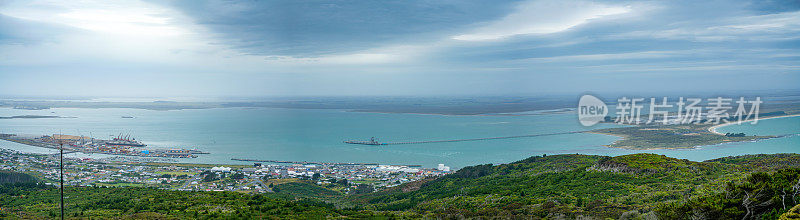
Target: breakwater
{"points": [[458, 140]]}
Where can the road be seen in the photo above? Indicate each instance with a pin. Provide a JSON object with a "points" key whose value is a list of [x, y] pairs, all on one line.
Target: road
{"points": [[196, 177]]}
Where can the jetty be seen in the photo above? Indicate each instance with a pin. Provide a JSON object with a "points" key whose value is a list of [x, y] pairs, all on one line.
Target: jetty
{"points": [[374, 141], [371, 141]]}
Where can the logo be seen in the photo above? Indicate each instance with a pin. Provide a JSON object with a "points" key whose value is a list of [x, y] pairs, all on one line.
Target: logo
{"points": [[591, 110]]}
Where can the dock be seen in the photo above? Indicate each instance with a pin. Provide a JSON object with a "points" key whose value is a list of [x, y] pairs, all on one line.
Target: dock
{"points": [[120, 145]]}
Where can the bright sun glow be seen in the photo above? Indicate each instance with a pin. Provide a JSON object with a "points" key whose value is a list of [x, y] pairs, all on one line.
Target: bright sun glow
{"points": [[128, 22]]}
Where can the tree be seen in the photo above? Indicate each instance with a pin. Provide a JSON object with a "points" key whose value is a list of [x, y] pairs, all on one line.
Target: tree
{"points": [[793, 213], [210, 177], [14, 177], [363, 188], [237, 176]]}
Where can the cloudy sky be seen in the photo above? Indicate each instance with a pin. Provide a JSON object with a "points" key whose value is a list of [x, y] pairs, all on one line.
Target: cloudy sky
{"points": [[407, 47]]}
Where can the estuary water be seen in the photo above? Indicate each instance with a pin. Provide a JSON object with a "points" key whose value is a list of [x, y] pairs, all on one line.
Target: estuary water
{"points": [[316, 135]]}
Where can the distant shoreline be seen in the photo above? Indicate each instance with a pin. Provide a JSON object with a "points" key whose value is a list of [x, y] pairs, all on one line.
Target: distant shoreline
{"points": [[407, 105], [354, 110], [32, 117], [713, 129], [554, 111]]}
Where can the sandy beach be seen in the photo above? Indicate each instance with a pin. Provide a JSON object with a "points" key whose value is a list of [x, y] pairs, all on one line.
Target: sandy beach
{"points": [[713, 129]]}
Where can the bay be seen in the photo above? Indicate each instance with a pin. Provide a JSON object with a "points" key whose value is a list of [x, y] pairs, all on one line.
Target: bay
{"points": [[316, 135]]}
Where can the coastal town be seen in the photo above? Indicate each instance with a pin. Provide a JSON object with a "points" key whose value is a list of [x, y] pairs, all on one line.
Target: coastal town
{"points": [[255, 178], [123, 145]]}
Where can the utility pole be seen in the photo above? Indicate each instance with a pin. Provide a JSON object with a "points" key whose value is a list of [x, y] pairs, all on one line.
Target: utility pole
{"points": [[61, 159]]}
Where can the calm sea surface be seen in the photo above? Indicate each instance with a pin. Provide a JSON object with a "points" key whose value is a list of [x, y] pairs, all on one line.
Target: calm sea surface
{"points": [[317, 135]]}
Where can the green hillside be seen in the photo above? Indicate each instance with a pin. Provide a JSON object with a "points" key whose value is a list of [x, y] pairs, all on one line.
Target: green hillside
{"points": [[14, 177], [637, 186], [596, 186], [38, 202]]}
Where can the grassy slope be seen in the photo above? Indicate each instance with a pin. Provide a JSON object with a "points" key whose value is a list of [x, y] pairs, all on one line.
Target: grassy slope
{"points": [[571, 185], [130, 202]]}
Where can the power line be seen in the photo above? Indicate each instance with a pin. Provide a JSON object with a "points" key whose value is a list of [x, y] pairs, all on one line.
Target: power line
{"points": [[61, 159]]}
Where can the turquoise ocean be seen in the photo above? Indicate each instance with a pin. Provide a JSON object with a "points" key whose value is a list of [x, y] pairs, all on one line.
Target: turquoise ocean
{"points": [[316, 135]]}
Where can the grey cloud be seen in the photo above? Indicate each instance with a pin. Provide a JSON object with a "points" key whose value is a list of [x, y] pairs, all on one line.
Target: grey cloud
{"points": [[312, 28]]}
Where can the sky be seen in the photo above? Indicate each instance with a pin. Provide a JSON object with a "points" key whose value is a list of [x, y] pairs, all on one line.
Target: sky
{"points": [[406, 48]]}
